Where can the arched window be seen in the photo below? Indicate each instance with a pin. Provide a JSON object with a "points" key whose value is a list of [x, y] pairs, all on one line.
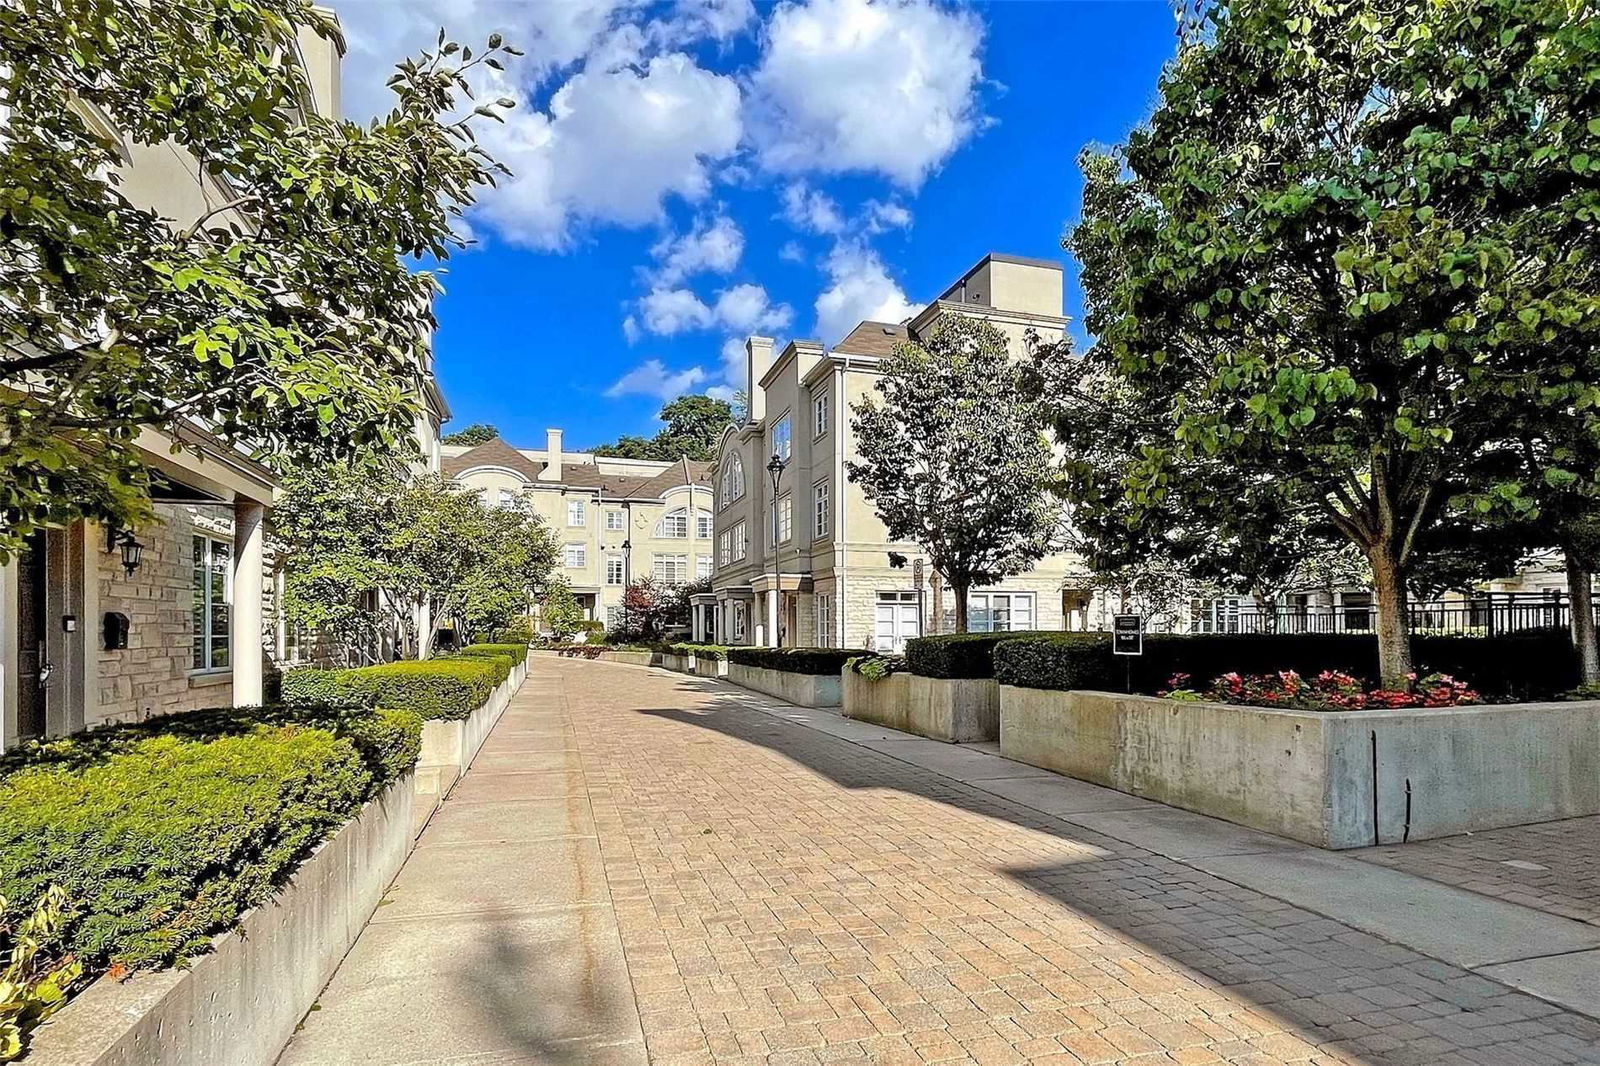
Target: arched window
{"points": [[674, 524], [732, 481]]}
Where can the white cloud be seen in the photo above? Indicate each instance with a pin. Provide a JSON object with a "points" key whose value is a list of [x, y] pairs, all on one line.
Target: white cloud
{"points": [[811, 210], [859, 289], [669, 311], [652, 378], [713, 247], [881, 216], [742, 307], [613, 146], [791, 252], [857, 85], [717, 19], [747, 308]]}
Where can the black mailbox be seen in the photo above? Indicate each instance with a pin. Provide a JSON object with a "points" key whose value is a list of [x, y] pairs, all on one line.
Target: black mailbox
{"points": [[116, 630]]}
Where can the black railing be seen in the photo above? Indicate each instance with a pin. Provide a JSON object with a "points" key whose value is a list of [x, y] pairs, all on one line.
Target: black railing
{"points": [[1483, 615]]}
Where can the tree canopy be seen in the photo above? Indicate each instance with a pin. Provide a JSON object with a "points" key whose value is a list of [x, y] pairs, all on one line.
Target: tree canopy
{"points": [[1350, 238], [473, 435], [693, 425], [282, 316], [954, 457]]}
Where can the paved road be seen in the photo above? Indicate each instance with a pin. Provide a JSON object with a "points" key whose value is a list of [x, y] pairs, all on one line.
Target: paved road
{"points": [[644, 865]]}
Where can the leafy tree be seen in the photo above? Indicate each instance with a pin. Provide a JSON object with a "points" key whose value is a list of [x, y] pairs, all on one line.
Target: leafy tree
{"points": [[955, 460], [282, 318], [650, 607], [472, 436], [560, 611], [1348, 234], [693, 424]]}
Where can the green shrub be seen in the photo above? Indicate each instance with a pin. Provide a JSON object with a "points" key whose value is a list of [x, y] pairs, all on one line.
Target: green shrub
{"points": [[1532, 664], [33, 985], [499, 661], [796, 660], [875, 667], [162, 833], [518, 653], [521, 633], [451, 687], [700, 651], [958, 655]]}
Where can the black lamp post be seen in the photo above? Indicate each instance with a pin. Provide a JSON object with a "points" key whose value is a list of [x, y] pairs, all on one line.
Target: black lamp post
{"points": [[775, 467]]}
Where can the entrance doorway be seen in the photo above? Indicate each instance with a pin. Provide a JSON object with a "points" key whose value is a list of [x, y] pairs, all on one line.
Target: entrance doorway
{"points": [[33, 663], [897, 621]]}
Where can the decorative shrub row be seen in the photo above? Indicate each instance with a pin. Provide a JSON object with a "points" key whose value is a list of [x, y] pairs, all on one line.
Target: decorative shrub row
{"points": [[959, 655], [1527, 665], [517, 653], [436, 688], [795, 660], [162, 833], [713, 652], [521, 633]]}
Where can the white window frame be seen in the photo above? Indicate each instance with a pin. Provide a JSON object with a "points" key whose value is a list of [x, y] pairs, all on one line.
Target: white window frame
{"points": [[703, 524], [731, 485], [782, 438], [741, 542], [725, 548], [577, 514], [670, 568], [1216, 614], [205, 639], [824, 620], [981, 606], [739, 613], [614, 522], [616, 570], [578, 551], [821, 502], [674, 525], [819, 415], [785, 529], [702, 567]]}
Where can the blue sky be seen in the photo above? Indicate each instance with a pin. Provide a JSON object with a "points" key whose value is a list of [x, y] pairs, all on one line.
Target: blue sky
{"points": [[692, 171]]}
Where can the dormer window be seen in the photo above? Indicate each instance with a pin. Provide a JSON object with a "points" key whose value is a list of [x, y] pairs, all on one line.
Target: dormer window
{"points": [[731, 487]]}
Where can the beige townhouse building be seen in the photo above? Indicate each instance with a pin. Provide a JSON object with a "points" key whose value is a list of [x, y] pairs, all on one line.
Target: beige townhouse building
{"points": [[616, 520], [805, 561]]}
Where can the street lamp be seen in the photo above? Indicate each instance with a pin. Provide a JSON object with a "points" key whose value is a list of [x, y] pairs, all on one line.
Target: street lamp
{"points": [[775, 467]]}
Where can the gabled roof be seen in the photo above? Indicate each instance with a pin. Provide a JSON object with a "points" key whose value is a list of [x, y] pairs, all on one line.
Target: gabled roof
{"points": [[494, 452], [873, 338]]}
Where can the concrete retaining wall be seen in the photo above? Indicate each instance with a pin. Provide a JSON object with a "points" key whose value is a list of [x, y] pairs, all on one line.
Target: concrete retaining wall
{"points": [[240, 1004], [710, 667], [450, 744], [631, 658], [960, 711], [692, 664], [1310, 775], [804, 690]]}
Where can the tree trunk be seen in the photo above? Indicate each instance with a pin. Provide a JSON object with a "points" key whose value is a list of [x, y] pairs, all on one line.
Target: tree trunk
{"points": [[1266, 610], [1582, 621], [1394, 630], [961, 607]]}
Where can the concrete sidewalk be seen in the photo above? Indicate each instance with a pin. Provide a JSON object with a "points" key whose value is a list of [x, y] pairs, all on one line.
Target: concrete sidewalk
{"points": [[497, 943]]}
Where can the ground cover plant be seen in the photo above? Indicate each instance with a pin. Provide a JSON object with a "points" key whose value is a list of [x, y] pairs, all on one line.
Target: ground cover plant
{"points": [[1327, 691]]}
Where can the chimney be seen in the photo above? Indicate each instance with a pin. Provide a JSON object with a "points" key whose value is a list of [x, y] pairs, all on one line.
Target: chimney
{"points": [[758, 360], [552, 456]]}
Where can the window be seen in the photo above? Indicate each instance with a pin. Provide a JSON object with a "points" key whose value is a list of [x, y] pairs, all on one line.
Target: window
{"points": [[999, 612], [670, 569], [702, 525], [614, 521], [823, 524], [781, 438], [824, 620], [724, 551], [819, 414], [702, 567], [785, 519], [732, 481], [741, 543], [1220, 615], [895, 622], [577, 513], [738, 623], [673, 524], [508, 500], [574, 557], [213, 600], [614, 616], [615, 570]]}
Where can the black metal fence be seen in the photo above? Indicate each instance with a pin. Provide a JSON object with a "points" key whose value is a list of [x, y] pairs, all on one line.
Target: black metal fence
{"points": [[1485, 614]]}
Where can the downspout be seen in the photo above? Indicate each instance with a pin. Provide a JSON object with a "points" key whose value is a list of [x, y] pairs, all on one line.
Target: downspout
{"points": [[836, 519]]}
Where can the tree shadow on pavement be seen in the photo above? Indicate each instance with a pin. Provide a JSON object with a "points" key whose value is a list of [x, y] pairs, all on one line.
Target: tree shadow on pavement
{"points": [[1192, 935]]}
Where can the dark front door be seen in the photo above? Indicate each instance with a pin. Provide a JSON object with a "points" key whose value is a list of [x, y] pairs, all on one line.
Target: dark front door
{"points": [[33, 668]]}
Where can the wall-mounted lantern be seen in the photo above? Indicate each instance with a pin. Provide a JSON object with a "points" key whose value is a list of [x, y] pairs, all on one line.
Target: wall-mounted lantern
{"points": [[132, 550]]}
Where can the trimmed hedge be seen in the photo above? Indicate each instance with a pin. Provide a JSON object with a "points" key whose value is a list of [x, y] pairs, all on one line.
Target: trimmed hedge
{"points": [[517, 653], [520, 633], [959, 655], [162, 833], [1527, 665], [435, 688], [796, 660], [700, 651]]}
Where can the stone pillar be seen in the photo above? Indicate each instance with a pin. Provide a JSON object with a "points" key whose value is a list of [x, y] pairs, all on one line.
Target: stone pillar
{"points": [[245, 628], [772, 618]]}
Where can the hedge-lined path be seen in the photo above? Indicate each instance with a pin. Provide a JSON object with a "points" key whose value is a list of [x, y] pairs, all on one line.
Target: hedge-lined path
{"points": [[793, 887]]}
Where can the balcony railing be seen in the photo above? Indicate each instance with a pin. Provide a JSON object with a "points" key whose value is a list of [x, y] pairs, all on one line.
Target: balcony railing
{"points": [[1486, 614]]}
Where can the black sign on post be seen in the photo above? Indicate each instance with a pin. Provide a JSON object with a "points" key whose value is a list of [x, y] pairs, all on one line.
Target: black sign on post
{"points": [[1127, 634]]}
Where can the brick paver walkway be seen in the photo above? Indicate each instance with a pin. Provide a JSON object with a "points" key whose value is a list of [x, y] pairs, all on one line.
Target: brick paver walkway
{"points": [[1553, 867], [787, 896]]}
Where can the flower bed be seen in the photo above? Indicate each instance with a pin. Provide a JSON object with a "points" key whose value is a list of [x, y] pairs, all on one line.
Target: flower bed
{"points": [[161, 834], [1328, 691]]}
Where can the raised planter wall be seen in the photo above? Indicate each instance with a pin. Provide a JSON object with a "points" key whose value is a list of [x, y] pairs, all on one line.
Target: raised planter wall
{"points": [[692, 664], [1336, 779], [630, 658], [710, 667], [804, 690], [961, 711], [240, 1004], [450, 744]]}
